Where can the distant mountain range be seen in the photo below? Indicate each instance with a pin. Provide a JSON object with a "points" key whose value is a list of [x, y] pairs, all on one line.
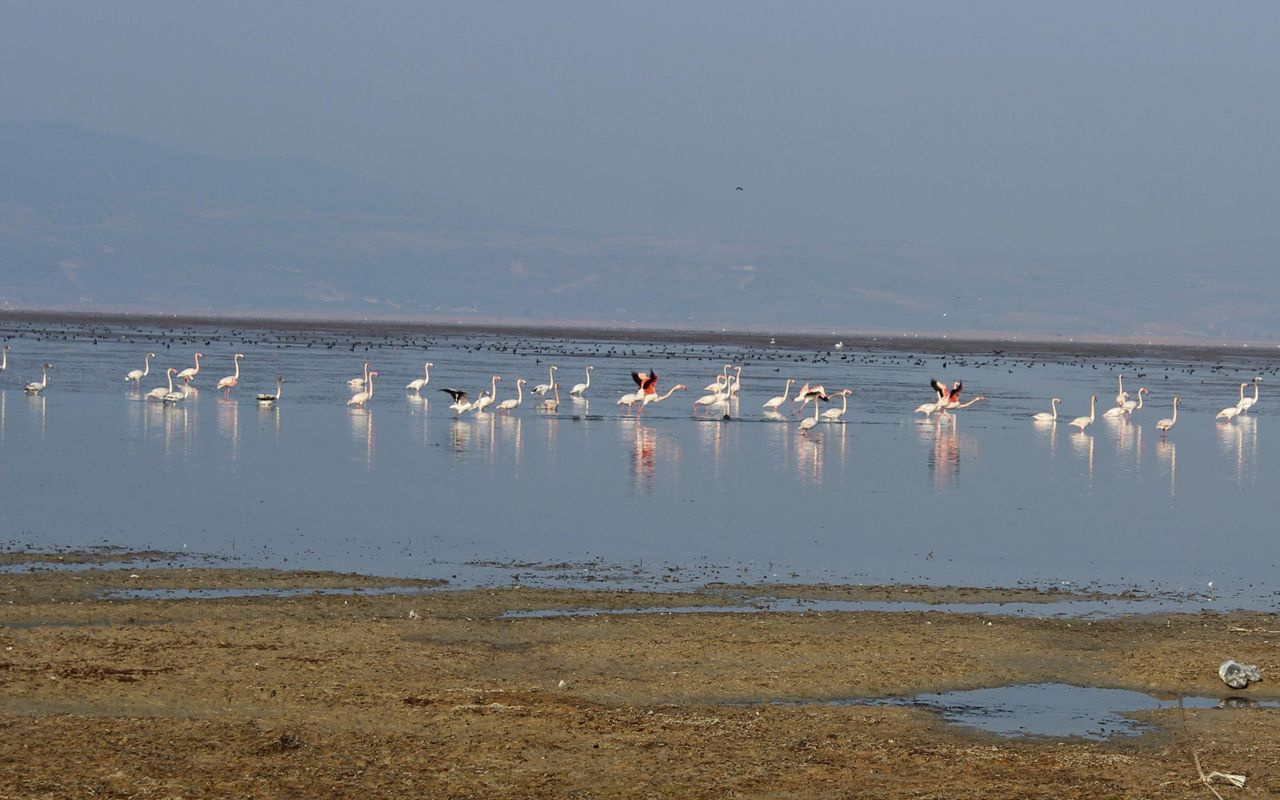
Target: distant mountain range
{"points": [[96, 222]]}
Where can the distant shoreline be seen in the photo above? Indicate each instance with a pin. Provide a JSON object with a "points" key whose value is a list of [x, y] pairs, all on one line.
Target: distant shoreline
{"points": [[969, 343]]}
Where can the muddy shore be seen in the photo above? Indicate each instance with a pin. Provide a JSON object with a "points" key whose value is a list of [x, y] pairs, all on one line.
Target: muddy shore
{"points": [[406, 689]]}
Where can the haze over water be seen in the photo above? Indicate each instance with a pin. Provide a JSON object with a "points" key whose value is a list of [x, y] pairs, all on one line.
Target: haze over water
{"points": [[595, 492]]}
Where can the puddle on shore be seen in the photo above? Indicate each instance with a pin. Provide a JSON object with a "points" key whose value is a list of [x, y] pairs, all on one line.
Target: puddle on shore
{"points": [[1055, 709]]}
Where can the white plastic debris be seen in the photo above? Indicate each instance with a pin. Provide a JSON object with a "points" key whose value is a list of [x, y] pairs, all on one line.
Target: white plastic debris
{"points": [[1237, 675]]}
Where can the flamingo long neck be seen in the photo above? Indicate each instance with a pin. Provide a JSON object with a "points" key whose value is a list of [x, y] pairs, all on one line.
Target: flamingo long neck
{"points": [[1054, 403], [551, 376], [44, 376], [426, 373], [198, 361], [170, 374], [366, 372], [787, 390], [519, 392], [238, 357], [146, 365], [1140, 394], [670, 392], [1242, 391], [1093, 406], [493, 388], [369, 385], [555, 387], [1121, 384], [1175, 409], [4, 360], [279, 387], [815, 411], [1255, 391], [844, 404], [588, 378]]}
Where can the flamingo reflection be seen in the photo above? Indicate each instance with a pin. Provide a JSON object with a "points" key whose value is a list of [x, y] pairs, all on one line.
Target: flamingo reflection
{"points": [[362, 431], [229, 424], [1167, 452]]}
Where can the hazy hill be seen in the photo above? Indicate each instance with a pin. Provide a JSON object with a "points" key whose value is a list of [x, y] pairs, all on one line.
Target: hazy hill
{"points": [[99, 222]]}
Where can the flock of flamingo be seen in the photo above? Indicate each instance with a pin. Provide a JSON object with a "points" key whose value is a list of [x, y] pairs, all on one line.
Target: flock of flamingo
{"points": [[1125, 407], [720, 394]]}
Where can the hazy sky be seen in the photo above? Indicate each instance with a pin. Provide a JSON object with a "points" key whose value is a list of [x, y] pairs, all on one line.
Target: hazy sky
{"points": [[1003, 127]]}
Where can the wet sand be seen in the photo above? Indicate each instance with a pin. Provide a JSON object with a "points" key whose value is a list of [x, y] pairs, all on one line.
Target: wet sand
{"points": [[401, 690]]}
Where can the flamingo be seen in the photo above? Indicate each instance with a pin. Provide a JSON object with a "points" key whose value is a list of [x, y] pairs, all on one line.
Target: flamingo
{"points": [[1084, 422], [553, 404], [36, 387], [509, 403], [358, 383], [580, 388], [543, 388], [721, 379], [808, 393], [421, 383], [189, 374], [956, 405], [631, 398], [834, 414], [929, 408], [647, 381], [231, 381], [809, 422], [1048, 416], [655, 398], [1247, 403], [1131, 406], [4, 358], [1229, 413], [272, 399], [717, 394], [773, 403], [360, 398], [1168, 422], [159, 392], [174, 396], [461, 403], [486, 398], [1122, 396], [732, 386], [135, 375]]}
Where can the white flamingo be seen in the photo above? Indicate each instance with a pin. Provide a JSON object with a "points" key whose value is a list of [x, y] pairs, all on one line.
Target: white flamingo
{"points": [[721, 379], [177, 395], [1084, 422], [554, 403], [36, 387], [189, 374], [929, 408], [1168, 422], [136, 375], [358, 400], [461, 403], [1122, 396], [1131, 405], [1229, 413], [1048, 416], [513, 403], [834, 414], [580, 388], [272, 399], [631, 398], [732, 386], [809, 422], [543, 388], [231, 381], [358, 383], [159, 392], [774, 403], [656, 398], [1247, 403], [419, 384], [486, 398]]}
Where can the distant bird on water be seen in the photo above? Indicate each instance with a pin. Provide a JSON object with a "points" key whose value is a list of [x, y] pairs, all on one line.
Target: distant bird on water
{"points": [[1168, 422], [231, 381], [36, 387], [189, 374], [136, 375], [272, 399]]}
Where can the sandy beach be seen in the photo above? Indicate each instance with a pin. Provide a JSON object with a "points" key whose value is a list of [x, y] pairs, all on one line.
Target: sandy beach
{"points": [[399, 689]]}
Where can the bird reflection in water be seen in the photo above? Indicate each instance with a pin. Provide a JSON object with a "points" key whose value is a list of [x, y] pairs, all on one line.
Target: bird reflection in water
{"points": [[271, 411], [947, 447], [1082, 445], [809, 456], [1167, 452], [511, 431], [460, 437], [713, 435], [362, 432], [229, 424], [177, 430], [4, 398], [1238, 440], [648, 445], [39, 406]]}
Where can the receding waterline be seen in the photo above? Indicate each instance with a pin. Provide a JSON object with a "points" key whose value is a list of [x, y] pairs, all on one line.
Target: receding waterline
{"points": [[1053, 709]]}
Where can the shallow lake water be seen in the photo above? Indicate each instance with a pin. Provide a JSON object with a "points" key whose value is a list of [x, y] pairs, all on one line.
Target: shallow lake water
{"points": [[664, 497]]}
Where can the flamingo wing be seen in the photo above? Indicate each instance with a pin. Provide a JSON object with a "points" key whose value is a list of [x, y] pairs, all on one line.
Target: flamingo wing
{"points": [[457, 394], [943, 392], [955, 391]]}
